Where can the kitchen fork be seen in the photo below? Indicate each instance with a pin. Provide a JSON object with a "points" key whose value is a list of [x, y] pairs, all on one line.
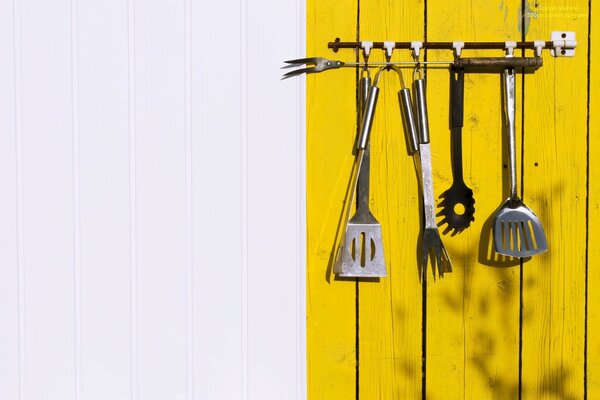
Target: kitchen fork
{"points": [[431, 240]]}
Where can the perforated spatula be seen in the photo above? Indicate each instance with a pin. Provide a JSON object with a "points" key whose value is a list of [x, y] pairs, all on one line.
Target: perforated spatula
{"points": [[517, 230], [362, 254]]}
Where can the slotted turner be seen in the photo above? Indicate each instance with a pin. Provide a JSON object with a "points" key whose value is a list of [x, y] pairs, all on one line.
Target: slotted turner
{"points": [[362, 254], [517, 230]]}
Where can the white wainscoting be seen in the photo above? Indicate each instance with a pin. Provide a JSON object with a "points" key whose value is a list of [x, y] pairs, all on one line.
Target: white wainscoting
{"points": [[152, 201]]}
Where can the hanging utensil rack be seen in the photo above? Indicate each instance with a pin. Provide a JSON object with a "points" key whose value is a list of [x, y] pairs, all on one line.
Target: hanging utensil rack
{"points": [[561, 44]]}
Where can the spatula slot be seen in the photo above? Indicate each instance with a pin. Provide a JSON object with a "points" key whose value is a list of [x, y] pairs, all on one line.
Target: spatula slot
{"points": [[363, 252], [363, 249], [505, 235], [515, 236], [372, 249], [519, 238]]}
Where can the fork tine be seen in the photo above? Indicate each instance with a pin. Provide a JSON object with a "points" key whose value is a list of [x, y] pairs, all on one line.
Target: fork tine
{"points": [[438, 261], [289, 66], [308, 60], [424, 258], [446, 264], [298, 72]]}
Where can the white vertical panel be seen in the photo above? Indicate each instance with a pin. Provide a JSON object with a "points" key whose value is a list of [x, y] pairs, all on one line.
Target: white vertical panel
{"points": [[9, 290], [102, 50], [133, 274], [160, 178], [217, 128], [189, 228], [47, 196], [248, 141], [155, 163], [275, 200], [74, 40]]}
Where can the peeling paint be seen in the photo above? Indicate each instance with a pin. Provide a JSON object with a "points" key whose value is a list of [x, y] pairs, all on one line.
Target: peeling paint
{"points": [[529, 13]]}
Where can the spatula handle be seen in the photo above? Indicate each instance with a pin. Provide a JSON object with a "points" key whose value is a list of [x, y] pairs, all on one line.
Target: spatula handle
{"points": [[509, 108], [362, 189], [368, 114]]}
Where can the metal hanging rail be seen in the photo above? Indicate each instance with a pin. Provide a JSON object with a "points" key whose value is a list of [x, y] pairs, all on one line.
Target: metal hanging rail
{"points": [[337, 44]]}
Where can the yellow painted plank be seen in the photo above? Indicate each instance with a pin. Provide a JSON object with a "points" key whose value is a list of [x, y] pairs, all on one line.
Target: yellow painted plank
{"points": [[593, 337], [555, 188], [390, 322], [331, 128], [473, 313]]}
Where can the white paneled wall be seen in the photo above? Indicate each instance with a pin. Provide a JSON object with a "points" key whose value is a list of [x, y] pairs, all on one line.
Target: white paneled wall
{"points": [[151, 200]]}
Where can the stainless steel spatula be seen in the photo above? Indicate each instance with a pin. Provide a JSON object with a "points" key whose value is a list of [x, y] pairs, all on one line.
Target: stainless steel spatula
{"points": [[362, 253], [517, 230]]}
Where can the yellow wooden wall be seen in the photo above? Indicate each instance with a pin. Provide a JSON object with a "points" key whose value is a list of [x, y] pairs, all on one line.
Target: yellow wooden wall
{"points": [[489, 329]]}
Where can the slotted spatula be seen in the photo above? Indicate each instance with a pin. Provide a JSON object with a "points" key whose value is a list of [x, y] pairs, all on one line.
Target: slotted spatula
{"points": [[362, 254], [517, 230]]}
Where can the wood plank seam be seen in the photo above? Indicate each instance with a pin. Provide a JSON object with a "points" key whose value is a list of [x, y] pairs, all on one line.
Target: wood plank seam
{"points": [[424, 284], [356, 285], [521, 304], [587, 206]]}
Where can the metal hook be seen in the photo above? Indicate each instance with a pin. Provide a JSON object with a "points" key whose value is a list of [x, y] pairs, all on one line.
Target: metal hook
{"points": [[417, 73], [398, 71], [389, 47], [366, 46], [379, 71], [415, 56]]}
